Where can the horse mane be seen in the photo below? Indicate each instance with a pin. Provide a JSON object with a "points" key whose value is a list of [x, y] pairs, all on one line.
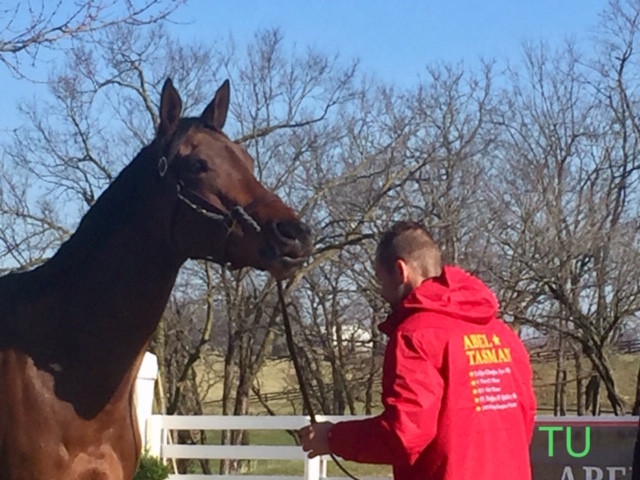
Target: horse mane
{"points": [[114, 208]]}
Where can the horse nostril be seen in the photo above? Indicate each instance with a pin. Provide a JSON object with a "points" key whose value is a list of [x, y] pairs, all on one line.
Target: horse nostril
{"points": [[292, 230]]}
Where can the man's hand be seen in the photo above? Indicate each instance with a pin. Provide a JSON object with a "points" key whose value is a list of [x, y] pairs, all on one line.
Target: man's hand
{"points": [[314, 438]]}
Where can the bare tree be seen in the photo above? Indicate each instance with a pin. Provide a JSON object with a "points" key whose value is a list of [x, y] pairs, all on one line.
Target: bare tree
{"points": [[182, 344], [32, 27], [560, 222], [102, 109]]}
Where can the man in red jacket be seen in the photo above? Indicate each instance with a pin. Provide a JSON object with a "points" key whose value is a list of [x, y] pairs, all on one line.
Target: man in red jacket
{"points": [[457, 382]]}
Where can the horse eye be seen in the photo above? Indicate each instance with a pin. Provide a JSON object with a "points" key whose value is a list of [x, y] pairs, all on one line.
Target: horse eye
{"points": [[197, 166]]}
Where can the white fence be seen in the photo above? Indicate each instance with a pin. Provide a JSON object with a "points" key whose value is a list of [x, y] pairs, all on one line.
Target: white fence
{"points": [[157, 440]]}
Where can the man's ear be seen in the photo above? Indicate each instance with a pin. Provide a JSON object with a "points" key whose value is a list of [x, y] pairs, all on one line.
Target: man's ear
{"points": [[402, 270]]}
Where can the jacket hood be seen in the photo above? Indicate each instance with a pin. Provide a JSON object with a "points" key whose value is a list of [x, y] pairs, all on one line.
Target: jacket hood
{"points": [[455, 294]]}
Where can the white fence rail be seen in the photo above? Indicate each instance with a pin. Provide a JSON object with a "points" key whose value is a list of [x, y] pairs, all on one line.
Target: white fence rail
{"points": [[157, 440], [611, 445]]}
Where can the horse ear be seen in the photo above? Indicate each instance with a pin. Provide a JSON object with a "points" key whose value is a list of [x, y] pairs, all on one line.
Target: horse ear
{"points": [[170, 109], [216, 112]]}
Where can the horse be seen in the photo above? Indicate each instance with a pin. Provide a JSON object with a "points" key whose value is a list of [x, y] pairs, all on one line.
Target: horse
{"points": [[74, 330]]}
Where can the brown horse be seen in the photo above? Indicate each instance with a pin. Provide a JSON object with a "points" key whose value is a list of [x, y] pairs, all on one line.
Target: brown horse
{"points": [[73, 332]]}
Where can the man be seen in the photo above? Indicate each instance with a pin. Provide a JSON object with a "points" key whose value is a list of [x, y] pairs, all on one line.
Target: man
{"points": [[457, 383]]}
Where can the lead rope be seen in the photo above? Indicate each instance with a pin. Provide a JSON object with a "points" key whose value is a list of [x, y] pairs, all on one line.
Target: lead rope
{"points": [[301, 379]]}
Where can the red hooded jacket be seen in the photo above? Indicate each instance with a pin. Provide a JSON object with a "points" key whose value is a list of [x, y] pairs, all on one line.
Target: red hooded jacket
{"points": [[456, 389]]}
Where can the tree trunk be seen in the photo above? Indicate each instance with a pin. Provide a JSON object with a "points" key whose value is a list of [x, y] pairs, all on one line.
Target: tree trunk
{"points": [[227, 386], [636, 403], [612, 395], [205, 464], [338, 390], [601, 365], [368, 394], [563, 393], [249, 364], [592, 394], [182, 464], [559, 400], [241, 437], [579, 387], [373, 367], [312, 370], [600, 360], [339, 405], [158, 349]]}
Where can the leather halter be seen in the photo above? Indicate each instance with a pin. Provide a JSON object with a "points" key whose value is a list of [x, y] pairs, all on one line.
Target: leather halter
{"points": [[227, 217]]}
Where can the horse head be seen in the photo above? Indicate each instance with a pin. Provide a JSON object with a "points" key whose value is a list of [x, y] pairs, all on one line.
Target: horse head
{"points": [[222, 212]]}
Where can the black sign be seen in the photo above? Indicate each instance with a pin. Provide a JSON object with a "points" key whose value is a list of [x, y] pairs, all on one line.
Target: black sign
{"points": [[583, 448]]}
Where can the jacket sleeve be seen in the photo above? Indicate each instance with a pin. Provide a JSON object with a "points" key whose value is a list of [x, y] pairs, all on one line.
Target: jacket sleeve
{"points": [[411, 397]]}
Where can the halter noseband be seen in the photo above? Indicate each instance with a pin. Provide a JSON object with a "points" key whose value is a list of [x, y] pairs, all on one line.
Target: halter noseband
{"points": [[237, 213]]}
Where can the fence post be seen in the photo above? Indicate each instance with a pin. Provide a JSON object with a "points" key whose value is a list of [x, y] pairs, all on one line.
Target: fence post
{"points": [[312, 468], [145, 388], [323, 467], [154, 435]]}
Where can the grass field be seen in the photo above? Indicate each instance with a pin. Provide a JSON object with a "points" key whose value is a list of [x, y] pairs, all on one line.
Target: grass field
{"points": [[625, 368], [278, 381]]}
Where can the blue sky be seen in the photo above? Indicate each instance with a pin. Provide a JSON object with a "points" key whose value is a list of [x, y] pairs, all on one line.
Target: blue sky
{"points": [[397, 39], [393, 40]]}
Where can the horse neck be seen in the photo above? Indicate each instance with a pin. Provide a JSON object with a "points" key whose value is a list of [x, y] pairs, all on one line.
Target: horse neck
{"points": [[113, 277]]}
